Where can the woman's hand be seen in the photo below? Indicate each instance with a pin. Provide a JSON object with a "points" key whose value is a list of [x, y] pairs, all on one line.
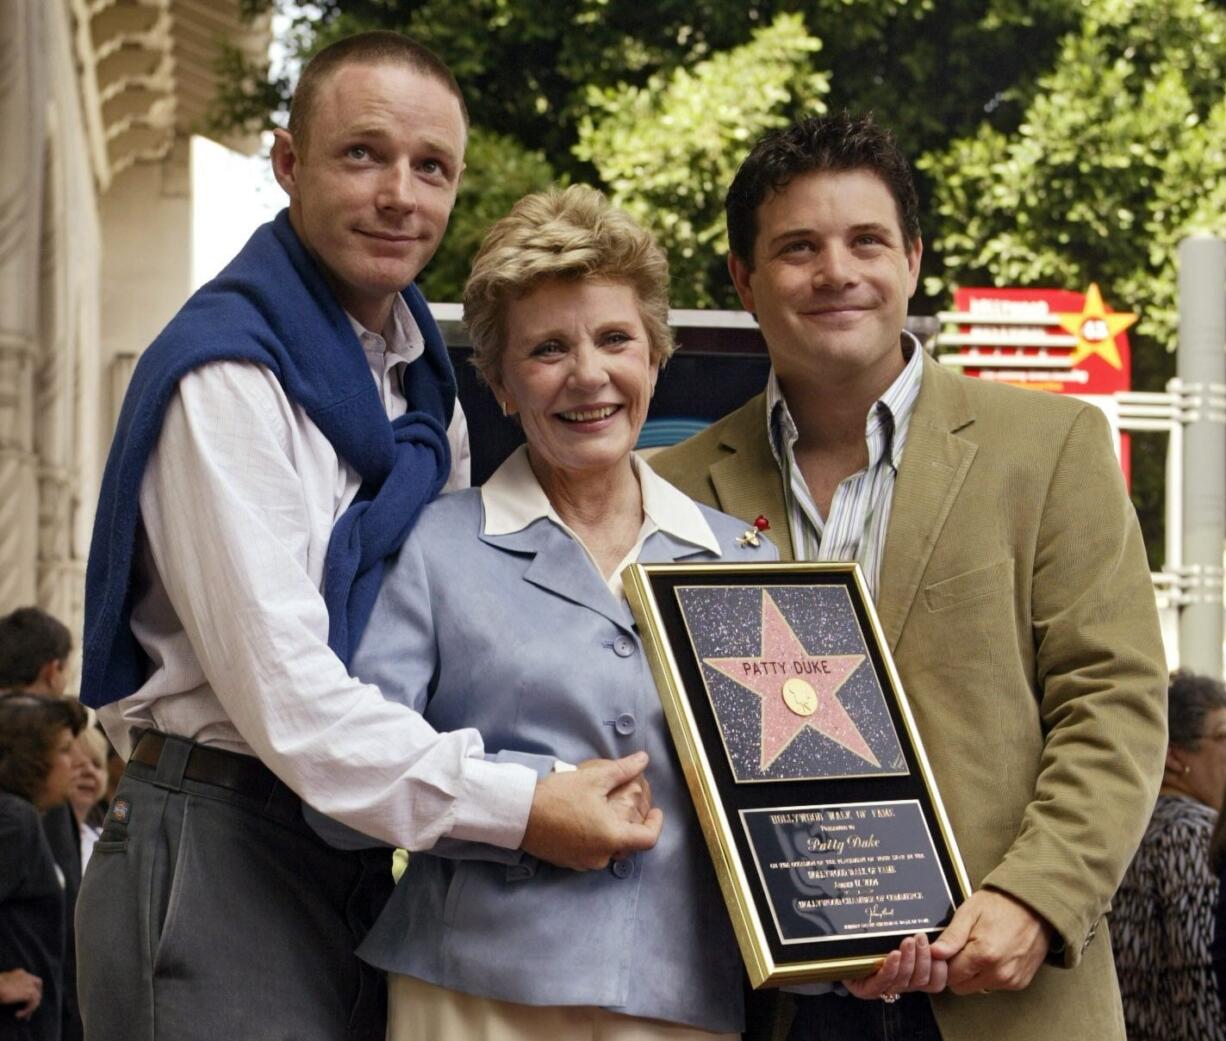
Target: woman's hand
{"points": [[18, 987], [911, 967], [631, 800], [576, 823]]}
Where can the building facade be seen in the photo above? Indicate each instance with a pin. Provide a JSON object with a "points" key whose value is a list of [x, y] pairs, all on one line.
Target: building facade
{"points": [[98, 100]]}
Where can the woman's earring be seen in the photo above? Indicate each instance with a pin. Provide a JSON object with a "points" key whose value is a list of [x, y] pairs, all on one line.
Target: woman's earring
{"points": [[503, 406]]}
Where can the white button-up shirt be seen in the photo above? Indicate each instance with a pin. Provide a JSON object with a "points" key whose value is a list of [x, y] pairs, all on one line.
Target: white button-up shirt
{"points": [[238, 502], [860, 509], [513, 498]]}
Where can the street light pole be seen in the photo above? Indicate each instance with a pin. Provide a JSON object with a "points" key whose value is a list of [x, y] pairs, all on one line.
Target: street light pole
{"points": [[1201, 385]]}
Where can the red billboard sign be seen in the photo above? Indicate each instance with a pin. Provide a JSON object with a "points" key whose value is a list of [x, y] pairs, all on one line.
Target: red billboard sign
{"points": [[1044, 339]]}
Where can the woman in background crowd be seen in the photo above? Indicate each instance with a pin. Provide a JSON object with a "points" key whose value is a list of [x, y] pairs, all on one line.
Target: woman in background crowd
{"points": [[1163, 921], [88, 794], [1217, 863], [36, 772]]}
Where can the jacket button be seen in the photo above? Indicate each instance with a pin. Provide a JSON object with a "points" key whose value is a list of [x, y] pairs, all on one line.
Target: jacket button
{"points": [[624, 724], [622, 868], [623, 646]]}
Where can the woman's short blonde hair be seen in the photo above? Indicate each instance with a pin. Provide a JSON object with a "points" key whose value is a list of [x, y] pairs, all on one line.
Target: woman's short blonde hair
{"points": [[574, 234], [94, 743]]}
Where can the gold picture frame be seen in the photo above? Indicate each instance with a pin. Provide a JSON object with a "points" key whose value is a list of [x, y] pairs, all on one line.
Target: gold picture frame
{"points": [[807, 771]]}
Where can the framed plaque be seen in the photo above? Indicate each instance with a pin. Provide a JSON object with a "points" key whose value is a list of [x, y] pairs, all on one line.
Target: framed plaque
{"points": [[805, 766]]}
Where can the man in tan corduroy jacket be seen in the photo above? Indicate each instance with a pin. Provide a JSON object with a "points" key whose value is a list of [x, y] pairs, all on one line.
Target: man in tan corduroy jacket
{"points": [[1008, 572]]}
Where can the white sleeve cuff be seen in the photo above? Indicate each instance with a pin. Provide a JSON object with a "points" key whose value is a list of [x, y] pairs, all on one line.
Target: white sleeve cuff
{"points": [[494, 804]]}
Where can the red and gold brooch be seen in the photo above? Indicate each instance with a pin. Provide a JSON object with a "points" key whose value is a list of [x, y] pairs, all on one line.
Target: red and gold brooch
{"points": [[751, 537]]}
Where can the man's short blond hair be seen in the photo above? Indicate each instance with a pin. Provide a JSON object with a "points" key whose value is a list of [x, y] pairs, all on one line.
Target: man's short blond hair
{"points": [[376, 47], [573, 234]]}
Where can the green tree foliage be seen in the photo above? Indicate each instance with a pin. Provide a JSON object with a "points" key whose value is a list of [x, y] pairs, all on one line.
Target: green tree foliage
{"points": [[932, 65], [1120, 154], [667, 150], [499, 172], [526, 65], [1064, 141], [247, 93], [530, 69]]}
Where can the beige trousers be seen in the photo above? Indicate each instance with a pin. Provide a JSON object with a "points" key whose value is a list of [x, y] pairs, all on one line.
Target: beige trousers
{"points": [[420, 1011]]}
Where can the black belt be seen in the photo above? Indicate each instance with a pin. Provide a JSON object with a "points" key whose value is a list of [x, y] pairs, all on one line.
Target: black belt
{"points": [[239, 773]]}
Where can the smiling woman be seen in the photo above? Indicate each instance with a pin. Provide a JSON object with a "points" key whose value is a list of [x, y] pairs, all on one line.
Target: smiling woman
{"points": [[579, 373], [567, 309], [504, 612]]}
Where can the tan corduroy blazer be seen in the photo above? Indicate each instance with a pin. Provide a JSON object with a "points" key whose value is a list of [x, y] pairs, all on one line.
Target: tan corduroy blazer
{"points": [[1016, 599]]}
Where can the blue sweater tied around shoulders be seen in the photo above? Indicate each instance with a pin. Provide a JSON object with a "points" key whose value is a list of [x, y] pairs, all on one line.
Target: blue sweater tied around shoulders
{"points": [[272, 306]]}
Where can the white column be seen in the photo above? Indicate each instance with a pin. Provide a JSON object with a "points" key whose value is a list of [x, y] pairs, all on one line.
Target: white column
{"points": [[69, 392], [1201, 365], [22, 117], [146, 219]]}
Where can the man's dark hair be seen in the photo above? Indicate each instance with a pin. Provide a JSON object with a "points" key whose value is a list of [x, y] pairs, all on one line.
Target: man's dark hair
{"points": [[29, 639], [1190, 698], [818, 144], [29, 727], [378, 47]]}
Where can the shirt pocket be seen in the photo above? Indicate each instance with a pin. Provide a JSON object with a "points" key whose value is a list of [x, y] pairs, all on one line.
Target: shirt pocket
{"points": [[970, 586]]}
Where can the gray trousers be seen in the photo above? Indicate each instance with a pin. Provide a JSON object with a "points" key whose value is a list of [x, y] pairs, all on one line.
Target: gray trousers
{"points": [[206, 915]]}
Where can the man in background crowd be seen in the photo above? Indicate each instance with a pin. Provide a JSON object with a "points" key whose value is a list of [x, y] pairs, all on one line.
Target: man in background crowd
{"points": [[34, 649]]}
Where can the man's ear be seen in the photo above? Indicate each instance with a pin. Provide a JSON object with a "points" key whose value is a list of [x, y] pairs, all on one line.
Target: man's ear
{"points": [[285, 161], [740, 273], [914, 255], [51, 677]]}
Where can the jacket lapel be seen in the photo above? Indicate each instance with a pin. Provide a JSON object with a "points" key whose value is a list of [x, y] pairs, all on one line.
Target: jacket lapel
{"points": [[747, 480], [934, 465], [561, 567]]}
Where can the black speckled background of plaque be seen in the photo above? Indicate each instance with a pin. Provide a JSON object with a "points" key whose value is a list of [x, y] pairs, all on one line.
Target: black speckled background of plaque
{"points": [[714, 622], [725, 622], [857, 869]]}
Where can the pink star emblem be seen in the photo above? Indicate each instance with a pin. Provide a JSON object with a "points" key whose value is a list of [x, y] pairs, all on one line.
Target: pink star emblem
{"points": [[797, 689]]}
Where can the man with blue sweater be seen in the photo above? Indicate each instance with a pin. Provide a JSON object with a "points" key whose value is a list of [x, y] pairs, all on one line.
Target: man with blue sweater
{"points": [[277, 443]]}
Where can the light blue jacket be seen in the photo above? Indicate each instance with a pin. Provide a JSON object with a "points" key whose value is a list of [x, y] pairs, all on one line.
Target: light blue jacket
{"points": [[518, 636]]}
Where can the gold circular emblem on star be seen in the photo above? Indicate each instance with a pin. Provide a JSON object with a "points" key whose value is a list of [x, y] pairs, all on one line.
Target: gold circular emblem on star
{"points": [[800, 696]]}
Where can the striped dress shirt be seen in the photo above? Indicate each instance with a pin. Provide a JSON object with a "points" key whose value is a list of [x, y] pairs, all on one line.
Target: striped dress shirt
{"points": [[860, 510]]}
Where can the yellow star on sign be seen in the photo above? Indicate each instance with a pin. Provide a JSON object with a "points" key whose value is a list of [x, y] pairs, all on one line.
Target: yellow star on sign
{"points": [[1096, 328]]}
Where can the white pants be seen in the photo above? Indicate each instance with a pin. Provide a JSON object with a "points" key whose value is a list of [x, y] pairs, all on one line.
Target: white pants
{"points": [[420, 1011]]}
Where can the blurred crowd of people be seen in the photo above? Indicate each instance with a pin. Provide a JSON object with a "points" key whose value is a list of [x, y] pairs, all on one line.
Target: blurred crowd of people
{"points": [[57, 774]]}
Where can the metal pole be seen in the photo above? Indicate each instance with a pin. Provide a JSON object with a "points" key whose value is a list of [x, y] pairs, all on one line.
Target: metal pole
{"points": [[1201, 367]]}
